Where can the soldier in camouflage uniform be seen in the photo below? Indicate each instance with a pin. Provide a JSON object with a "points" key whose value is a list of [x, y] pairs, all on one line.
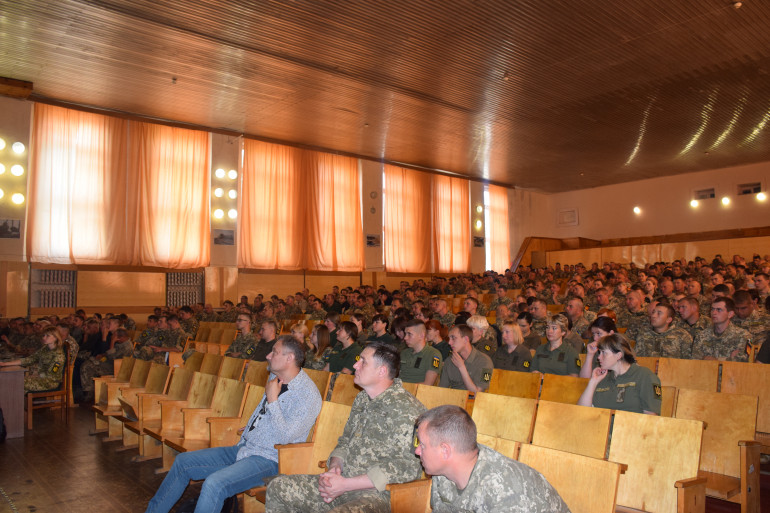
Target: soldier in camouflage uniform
{"points": [[634, 317], [46, 365], [443, 315], [105, 365], [472, 477], [375, 448], [208, 314], [501, 299], [725, 341], [481, 308], [690, 318], [230, 313], [750, 318], [188, 322], [540, 317], [695, 289], [145, 338], [244, 339], [662, 338], [318, 313], [172, 339], [581, 319]]}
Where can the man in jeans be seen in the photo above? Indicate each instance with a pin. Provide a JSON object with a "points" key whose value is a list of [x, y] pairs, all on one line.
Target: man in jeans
{"points": [[285, 415]]}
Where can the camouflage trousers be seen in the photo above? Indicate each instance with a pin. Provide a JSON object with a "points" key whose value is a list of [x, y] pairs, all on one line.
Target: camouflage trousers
{"points": [[35, 384], [299, 494], [91, 369]]}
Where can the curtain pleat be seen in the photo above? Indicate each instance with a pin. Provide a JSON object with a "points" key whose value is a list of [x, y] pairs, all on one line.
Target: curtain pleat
{"points": [[407, 220], [497, 229]]}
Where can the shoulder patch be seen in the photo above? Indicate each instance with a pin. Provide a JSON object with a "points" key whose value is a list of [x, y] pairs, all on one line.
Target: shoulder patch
{"points": [[486, 375], [526, 364], [250, 350], [436, 362], [358, 357], [486, 347], [658, 390], [55, 367], [578, 362]]}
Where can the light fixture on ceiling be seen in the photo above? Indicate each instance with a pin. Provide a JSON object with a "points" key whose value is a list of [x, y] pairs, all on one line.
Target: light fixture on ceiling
{"points": [[18, 148], [694, 203], [725, 200], [761, 196], [17, 170], [219, 192], [2, 143], [2, 169], [637, 210], [232, 193]]}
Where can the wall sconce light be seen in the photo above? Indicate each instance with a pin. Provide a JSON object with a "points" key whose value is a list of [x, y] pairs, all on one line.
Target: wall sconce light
{"points": [[725, 200], [232, 174], [18, 198], [232, 193], [219, 173], [694, 203], [2, 193], [219, 213], [479, 209], [17, 170], [2, 143], [761, 196], [219, 192], [2, 169], [18, 148], [637, 210], [232, 213], [479, 224]]}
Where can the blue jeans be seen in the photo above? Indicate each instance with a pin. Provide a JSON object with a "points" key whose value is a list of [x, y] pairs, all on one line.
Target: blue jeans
{"points": [[224, 477]]}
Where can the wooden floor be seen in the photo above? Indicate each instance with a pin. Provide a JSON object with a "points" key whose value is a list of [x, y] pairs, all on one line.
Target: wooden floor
{"points": [[59, 468]]}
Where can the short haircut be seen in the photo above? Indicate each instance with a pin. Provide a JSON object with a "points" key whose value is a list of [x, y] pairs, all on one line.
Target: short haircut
{"points": [[691, 300], [271, 323], [228, 302], [668, 308], [742, 297], [349, 328], [415, 323], [617, 343], [561, 321], [604, 324], [387, 355], [721, 288], [152, 317], [185, 309], [121, 332], [464, 330], [452, 425], [333, 317], [292, 345], [433, 324], [472, 300], [461, 319], [477, 321], [250, 316], [729, 303], [169, 318], [382, 318], [526, 316]]}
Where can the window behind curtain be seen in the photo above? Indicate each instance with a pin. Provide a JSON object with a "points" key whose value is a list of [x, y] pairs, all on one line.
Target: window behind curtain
{"points": [[407, 220], [451, 225], [91, 202], [498, 246]]}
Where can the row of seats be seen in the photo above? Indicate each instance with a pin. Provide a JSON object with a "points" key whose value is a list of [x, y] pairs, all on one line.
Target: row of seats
{"points": [[496, 415]]}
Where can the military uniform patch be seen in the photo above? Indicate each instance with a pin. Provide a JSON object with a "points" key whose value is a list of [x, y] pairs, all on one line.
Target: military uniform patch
{"points": [[55, 368], [250, 350], [578, 362], [526, 364], [560, 358], [658, 390], [358, 357], [436, 362], [486, 347], [486, 375]]}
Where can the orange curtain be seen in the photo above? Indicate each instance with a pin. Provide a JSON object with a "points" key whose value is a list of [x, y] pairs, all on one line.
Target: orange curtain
{"points": [[406, 220], [170, 169], [451, 225], [299, 210], [78, 206], [108, 191], [497, 229], [334, 232]]}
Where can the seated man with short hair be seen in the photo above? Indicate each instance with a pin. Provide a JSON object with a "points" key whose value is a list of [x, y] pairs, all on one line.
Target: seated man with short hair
{"points": [[472, 477], [375, 448], [285, 415]]}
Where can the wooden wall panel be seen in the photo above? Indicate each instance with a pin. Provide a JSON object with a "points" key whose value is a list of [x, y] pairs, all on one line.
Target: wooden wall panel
{"points": [[15, 296], [647, 253], [117, 288], [689, 250], [575, 256], [747, 247], [619, 254], [321, 283], [267, 283], [392, 281]]}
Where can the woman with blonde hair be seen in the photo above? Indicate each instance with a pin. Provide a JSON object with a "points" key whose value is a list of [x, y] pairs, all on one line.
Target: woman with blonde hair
{"points": [[46, 365]]}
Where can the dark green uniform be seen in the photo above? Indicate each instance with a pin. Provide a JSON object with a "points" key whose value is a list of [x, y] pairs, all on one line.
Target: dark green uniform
{"points": [[533, 341], [259, 351], [414, 366], [637, 390], [479, 368], [386, 338], [344, 358], [444, 348], [563, 360], [520, 359]]}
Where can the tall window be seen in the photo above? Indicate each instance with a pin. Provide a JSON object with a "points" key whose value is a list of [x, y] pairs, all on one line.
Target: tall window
{"points": [[91, 201], [299, 210], [451, 225], [496, 221], [407, 220]]}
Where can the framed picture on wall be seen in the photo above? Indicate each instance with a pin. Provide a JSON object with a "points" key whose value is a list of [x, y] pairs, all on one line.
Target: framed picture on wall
{"points": [[10, 228]]}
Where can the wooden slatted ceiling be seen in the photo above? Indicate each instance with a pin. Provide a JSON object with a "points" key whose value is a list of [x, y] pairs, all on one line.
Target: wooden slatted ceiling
{"points": [[540, 94]]}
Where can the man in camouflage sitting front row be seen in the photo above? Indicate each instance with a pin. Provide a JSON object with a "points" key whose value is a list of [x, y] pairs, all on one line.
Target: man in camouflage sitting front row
{"points": [[375, 448]]}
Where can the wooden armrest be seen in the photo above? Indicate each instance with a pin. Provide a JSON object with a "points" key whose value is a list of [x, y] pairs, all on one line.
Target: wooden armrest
{"points": [[748, 443], [410, 497], [687, 483], [294, 458]]}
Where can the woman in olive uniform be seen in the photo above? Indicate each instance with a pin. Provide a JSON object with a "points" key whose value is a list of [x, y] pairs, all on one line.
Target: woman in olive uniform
{"points": [[556, 357], [619, 383], [46, 365]]}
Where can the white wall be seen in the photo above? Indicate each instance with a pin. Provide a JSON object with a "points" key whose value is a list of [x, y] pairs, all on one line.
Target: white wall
{"points": [[607, 212]]}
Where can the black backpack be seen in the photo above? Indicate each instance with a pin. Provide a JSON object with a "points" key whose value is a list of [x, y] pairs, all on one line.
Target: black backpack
{"points": [[230, 505]]}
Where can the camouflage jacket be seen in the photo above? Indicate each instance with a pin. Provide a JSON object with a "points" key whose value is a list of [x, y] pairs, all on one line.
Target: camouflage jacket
{"points": [[241, 343], [190, 326], [721, 346], [497, 484], [377, 440], [672, 343], [230, 316], [447, 319], [757, 324], [703, 323], [47, 365]]}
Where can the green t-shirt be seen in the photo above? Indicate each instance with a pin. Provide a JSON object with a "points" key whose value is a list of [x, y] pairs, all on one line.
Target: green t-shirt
{"points": [[414, 366], [344, 358], [563, 360], [637, 390]]}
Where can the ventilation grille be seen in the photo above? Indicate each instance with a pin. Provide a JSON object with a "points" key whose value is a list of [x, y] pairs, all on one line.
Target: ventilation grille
{"points": [[184, 288], [52, 288], [704, 194], [749, 188]]}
